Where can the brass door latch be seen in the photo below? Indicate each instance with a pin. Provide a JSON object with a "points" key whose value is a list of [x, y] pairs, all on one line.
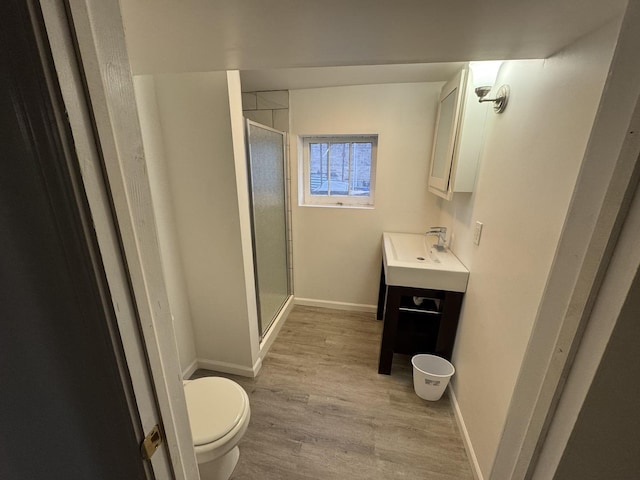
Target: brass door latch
{"points": [[151, 443]]}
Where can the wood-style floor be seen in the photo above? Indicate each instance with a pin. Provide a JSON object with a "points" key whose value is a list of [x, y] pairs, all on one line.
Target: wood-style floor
{"points": [[319, 409]]}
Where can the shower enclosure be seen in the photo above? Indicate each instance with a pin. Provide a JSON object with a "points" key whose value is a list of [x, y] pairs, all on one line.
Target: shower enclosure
{"points": [[267, 189]]}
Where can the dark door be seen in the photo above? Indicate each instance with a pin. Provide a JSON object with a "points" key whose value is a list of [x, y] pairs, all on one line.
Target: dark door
{"points": [[64, 409]]}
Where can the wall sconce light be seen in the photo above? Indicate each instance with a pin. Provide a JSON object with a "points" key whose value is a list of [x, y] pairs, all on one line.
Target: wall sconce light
{"points": [[501, 100], [484, 76]]}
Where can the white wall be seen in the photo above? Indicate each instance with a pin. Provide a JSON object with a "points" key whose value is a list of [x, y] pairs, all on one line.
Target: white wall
{"points": [[529, 166], [195, 118], [163, 209], [337, 251]]}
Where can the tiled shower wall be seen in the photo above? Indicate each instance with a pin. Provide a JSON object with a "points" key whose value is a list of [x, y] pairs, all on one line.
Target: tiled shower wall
{"points": [[268, 108], [271, 108]]}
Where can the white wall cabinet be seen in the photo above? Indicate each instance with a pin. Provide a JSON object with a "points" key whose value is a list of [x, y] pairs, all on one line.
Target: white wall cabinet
{"points": [[458, 138]]}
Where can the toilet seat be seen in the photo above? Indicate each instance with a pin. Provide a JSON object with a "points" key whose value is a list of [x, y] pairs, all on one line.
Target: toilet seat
{"points": [[216, 406], [219, 413]]}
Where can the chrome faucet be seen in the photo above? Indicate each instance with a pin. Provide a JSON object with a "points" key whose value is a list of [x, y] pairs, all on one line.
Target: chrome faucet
{"points": [[441, 232]]}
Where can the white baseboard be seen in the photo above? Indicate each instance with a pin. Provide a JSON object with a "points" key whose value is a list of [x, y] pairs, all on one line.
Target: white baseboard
{"points": [[353, 307], [256, 367], [273, 331], [224, 367], [468, 446], [265, 345], [191, 368]]}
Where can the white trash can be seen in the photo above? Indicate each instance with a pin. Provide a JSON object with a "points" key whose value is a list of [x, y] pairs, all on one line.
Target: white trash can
{"points": [[431, 375]]}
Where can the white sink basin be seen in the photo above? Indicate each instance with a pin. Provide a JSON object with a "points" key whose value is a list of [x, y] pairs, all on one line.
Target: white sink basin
{"points": [[411, 261]]}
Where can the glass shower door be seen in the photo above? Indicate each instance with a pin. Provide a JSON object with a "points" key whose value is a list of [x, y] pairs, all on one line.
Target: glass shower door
{"points": [[268, 212]]}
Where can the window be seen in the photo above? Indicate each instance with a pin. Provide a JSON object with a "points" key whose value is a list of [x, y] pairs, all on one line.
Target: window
{"points": [[339, 170]]}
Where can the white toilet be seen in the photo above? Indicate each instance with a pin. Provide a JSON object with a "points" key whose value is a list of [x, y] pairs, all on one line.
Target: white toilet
{"points": [[219, 414]]}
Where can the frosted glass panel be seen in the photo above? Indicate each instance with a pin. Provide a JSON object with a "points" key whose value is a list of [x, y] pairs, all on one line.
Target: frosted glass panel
{"points": [[266, 164]]}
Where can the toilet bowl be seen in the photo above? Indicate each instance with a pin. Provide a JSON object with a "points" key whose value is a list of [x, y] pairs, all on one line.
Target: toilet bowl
{"points": [[219, 414]]}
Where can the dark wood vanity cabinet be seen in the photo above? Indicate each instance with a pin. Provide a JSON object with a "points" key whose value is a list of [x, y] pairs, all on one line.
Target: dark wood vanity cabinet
{"points": [[427, 326]]}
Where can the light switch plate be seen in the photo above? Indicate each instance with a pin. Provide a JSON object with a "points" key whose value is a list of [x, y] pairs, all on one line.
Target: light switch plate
{"points": [[477, 232]]}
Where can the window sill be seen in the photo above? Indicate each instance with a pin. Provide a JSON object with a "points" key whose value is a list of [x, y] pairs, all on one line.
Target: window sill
{"points": [[330, 205]]}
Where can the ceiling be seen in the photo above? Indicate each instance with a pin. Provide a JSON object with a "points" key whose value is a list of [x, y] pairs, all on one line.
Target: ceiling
{"points": [[297, 78], [257, 35]]}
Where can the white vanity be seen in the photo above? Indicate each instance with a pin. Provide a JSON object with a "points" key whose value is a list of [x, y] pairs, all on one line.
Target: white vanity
{"points": [[420, 281]]}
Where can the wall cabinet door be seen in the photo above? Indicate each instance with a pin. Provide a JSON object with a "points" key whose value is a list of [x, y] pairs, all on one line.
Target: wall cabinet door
{"points": [[458, 138], [446, 131]]}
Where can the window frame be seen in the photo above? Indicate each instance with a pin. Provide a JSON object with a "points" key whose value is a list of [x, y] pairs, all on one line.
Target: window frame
{"points": [[339, 201]]}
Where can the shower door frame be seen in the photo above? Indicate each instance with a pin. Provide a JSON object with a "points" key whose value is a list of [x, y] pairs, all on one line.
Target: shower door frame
{"points": [[285, 160]]}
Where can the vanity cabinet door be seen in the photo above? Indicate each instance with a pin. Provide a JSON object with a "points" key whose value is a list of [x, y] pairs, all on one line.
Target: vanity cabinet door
{"points": [[447, 125]]}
